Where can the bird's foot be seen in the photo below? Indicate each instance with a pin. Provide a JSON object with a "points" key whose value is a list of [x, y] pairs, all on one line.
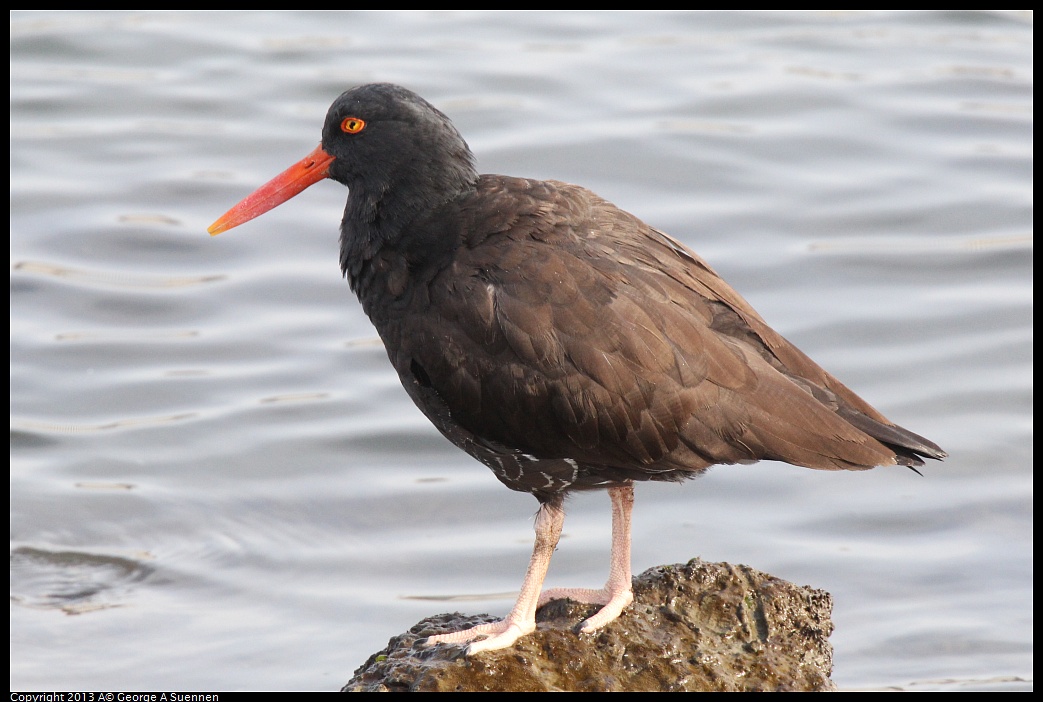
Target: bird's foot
{"points": [[501, 634], [615, 600]]}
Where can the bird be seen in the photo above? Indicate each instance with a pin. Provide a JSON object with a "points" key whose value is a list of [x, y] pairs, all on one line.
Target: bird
{"points": [[559, 340]]}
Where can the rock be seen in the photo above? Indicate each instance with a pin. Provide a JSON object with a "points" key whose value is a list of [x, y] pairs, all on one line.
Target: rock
{"points": [[692, 627]]}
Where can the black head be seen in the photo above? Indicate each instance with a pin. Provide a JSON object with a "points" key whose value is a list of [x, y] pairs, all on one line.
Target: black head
{"points": [[388, 140], [399, 156]]}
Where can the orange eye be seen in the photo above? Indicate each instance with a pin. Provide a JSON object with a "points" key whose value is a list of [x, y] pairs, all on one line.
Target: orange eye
{"points": [[352, 125]]}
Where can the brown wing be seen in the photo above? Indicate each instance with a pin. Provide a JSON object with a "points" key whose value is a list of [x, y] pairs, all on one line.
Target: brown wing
{"points": [[735, 318], [569, 329]]}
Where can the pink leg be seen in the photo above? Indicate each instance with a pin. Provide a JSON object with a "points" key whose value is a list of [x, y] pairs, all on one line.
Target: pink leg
{"points": [[617, 593], [522, 619]]}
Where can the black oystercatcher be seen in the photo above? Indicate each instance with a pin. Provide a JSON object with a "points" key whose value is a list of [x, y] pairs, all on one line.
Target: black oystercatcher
{"points": [[559, 340]]}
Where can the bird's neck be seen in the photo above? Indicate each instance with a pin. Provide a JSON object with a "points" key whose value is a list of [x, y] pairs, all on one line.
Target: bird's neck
{"points": [[389, 216]]}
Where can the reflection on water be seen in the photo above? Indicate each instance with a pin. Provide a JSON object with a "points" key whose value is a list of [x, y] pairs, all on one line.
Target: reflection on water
{"points": [[72, 582]]}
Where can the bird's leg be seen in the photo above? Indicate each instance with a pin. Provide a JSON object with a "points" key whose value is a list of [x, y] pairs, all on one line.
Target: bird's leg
{"points": [[522, 619], [618, 592]]}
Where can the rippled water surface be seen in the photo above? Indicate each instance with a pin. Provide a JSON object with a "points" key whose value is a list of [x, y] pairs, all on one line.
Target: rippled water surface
{"points": [[217, 481]]}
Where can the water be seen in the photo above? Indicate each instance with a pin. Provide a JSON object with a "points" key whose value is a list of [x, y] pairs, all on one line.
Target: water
{"points": [[216, 480]]}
